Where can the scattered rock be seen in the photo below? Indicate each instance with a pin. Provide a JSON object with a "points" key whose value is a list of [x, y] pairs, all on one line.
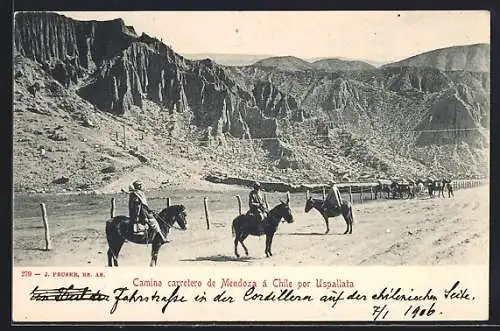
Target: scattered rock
{"points": [[83, 187], [37, 110], [33, 89], [19, 74], [61, 180], [87, 122], [139, 156], [58, 136], [109, 169]]}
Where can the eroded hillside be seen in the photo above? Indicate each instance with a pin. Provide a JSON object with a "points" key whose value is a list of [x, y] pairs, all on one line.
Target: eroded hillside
{"points": [[112, 105]]}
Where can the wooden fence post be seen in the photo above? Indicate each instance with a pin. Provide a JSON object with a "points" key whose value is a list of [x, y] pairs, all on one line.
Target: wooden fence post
{"points": [[206, 212], [45, 220], [324, 194], [350, 194], [168, 202], [239, 203], [124, 137], [371, 193], [112, 212], [361, 193]]}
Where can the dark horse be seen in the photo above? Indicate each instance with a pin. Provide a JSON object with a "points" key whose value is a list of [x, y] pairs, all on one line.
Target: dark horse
{"points": [[345, 210], [399, 189], [119, 229], [246, 224], [434, 186], [383, 186]]}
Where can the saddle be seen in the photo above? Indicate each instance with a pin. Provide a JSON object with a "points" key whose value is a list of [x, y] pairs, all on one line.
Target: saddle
{"points": [[258, 218], [139, 228], [332, 210]]}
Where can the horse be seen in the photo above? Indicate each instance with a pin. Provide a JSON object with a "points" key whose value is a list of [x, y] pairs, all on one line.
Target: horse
{"points": [[345, 211], [443, 185], [449, 187], [431, 187], [419, 187], [383, 186], [435, 186], [247, 224], [119, 229], [400, 189]]}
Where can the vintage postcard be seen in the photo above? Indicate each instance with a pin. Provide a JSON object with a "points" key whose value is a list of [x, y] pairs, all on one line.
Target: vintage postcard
{"points": [[251, 166]]}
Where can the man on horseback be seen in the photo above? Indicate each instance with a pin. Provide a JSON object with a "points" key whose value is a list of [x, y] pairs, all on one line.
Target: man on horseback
{"points": [[333, 200], [139, 210], [256, 203]]}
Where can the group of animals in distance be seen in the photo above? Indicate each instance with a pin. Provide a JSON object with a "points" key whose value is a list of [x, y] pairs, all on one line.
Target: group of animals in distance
{"points": [[120, 229], [409, 189]]}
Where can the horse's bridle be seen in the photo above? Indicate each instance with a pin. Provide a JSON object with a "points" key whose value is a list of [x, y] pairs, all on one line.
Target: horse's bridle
{"points": [[166, 223]]}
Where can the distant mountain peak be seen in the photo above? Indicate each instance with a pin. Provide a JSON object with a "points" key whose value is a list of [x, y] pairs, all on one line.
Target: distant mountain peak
{"points": [[337, 64], [474, 57], [285, 63]]}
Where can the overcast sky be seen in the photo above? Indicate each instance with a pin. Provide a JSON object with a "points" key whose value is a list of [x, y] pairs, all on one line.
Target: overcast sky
{"points": [[378, 36]]}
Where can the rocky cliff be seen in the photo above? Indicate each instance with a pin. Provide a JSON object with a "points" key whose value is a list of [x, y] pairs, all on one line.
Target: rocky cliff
{"points": [[358, 121], [123, 69]]}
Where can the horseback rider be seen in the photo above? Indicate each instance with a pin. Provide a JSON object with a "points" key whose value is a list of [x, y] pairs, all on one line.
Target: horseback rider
{"points": [[139, 210], [256, 203], [333, 200]]}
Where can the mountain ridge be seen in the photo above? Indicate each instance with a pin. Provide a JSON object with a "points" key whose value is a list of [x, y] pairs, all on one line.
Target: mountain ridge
{"points": [[315, 124], [473, 57]]}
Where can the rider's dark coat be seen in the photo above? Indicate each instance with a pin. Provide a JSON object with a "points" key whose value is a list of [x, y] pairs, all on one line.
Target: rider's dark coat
{"points": [[256, 202], [138, 206]]}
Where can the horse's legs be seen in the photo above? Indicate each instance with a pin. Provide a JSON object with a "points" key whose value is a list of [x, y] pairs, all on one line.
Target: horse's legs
{"points": [[268, 245], [113, 251], [110, 258], [240, 239], [155, 248], [348, 221], [327, 224], [236, 239], [351, 219]]}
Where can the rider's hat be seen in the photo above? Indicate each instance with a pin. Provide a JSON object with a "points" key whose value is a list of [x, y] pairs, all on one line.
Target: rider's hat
{"points": [[256, 185], [137, 183]]}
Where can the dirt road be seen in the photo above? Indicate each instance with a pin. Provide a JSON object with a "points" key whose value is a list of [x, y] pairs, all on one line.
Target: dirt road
{"points": [[386, 232]]}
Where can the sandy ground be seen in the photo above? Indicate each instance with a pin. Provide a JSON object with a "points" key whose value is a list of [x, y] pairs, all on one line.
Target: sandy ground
{"points": [[386, 232]]}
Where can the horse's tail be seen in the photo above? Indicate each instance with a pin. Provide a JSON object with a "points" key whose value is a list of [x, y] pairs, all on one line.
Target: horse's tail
{"points": [[108, 229], [233, 231]]}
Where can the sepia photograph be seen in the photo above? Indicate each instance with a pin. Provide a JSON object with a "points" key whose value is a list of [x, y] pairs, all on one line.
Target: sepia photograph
{"points": [[251, 138]]}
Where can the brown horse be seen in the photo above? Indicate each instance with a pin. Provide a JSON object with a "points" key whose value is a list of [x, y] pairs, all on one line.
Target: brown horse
{"points": [[119, 229], [345, 211], [247, 224]]}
